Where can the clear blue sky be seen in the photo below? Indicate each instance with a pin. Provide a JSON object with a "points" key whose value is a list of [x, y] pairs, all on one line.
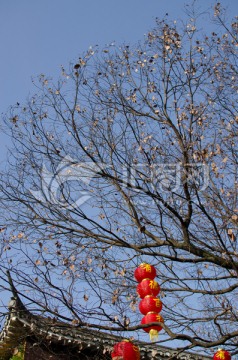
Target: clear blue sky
{"points": [[37, 36]]}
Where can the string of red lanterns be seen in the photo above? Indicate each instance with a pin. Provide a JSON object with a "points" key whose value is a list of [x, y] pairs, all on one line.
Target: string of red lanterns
{"points": [[150, 305]]}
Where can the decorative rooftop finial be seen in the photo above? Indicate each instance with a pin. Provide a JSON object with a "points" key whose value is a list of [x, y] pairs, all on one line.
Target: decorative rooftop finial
{"points": [[15, 302]]}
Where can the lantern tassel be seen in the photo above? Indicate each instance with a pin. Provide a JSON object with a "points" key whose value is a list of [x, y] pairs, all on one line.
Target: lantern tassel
{"points": [[154, 335]]}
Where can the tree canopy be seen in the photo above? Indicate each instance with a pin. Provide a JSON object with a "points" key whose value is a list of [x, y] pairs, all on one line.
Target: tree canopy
{"points": [[130, 157]]}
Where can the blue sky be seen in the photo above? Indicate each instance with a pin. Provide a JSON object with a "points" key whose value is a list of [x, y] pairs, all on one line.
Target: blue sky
{"points": [[38, 36]]}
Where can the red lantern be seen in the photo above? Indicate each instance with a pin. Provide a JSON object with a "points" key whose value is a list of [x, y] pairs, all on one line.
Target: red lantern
{"points": [[125, 350], [152, 317], [222, 355], [150, 303], [145, 271], [148, 287]]}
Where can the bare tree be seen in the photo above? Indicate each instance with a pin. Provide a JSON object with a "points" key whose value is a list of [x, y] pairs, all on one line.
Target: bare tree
{"points": [[130, 157]]}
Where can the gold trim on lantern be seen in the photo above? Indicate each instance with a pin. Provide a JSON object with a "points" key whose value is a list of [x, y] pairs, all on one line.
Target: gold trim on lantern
{"points": [[146, 267], [146, 279], [152, 312]]}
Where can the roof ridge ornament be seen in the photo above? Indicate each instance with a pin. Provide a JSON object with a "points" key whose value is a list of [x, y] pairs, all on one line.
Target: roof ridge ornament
{"points": [[15, 303]]}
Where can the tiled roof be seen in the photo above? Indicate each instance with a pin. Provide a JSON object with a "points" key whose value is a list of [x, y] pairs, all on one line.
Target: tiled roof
{"points": [[20, 324]]}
